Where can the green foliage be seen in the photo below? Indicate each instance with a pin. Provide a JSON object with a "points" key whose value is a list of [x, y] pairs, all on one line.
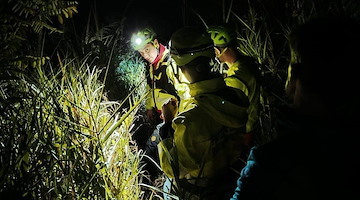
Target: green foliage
{"points": [[23, 20], [125, 71], [131, 70], [61, 136], [52, 133]]}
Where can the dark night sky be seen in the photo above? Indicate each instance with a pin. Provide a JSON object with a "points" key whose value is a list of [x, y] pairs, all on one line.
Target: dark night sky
{"points": [[165, 16]]}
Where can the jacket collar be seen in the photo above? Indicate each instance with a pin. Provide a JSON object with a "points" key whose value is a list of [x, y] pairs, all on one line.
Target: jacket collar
{"points": [[162, 52]]}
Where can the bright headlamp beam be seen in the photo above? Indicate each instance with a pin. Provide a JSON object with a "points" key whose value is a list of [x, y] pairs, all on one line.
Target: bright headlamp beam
{"points": [[138, 41]]}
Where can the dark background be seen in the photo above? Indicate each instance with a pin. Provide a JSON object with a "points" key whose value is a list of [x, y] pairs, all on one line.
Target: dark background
{"points": [[164, 16]]}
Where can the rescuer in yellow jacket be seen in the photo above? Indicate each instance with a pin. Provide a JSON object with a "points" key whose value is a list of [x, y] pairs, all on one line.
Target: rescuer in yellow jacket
{"points": [[165, 82], [164, 79], [242, 71], [208, 134]]}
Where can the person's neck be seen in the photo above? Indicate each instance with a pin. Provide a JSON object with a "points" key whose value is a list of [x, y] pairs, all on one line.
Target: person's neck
{"points": [[230, 57], [161, 50]]}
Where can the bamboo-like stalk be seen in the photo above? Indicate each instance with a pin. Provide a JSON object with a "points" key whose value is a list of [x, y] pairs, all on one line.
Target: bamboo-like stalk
{"points": [[118, 123]]}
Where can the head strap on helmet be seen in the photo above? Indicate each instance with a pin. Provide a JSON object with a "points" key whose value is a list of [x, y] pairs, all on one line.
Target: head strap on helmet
{"points": [[191, 50]]}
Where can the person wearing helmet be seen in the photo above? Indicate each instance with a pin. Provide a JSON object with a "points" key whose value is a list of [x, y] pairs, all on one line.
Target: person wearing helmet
{"points": [[242, 72], [163, 80], [163, 77], [208, 133]]}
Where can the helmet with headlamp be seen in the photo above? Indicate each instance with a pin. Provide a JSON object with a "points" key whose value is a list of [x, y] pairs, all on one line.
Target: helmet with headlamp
{"points": [[142, 37]]}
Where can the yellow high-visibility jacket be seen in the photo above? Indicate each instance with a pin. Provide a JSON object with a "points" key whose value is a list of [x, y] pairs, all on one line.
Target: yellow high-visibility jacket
{"points": [[239, 76], [166, 82], [208, 134]]}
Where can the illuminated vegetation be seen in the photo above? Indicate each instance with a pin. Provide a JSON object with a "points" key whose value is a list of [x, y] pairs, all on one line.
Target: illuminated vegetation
{"points": [[68, 103]]}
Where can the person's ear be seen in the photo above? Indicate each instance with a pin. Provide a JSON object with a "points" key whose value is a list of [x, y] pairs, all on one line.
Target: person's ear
{"points": [[156, 43], [198, 68], [290, 85]]}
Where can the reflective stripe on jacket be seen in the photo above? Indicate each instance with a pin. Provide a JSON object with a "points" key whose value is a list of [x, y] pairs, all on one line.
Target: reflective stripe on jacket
{"points": [[238, 76]]}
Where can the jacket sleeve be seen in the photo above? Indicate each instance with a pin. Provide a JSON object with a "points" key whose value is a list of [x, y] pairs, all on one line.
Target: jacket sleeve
{"points": [[183, 159], [247, 183], [166, 156], [177, 160], [149, 101], [161, 97]]}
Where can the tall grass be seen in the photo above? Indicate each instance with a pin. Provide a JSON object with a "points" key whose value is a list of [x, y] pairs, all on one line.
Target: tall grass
{"points": [[61, 136], [52, 137]]}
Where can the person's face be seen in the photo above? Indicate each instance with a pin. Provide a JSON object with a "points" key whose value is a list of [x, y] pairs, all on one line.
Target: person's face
{"points": [[149, 52], [290, 84]]}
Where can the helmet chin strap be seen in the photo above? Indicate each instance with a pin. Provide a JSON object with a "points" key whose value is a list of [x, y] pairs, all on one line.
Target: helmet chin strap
{"points": [[217, 60], [218, 56]]}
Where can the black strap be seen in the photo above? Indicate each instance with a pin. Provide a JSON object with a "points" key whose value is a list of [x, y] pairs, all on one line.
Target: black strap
{"points": [[191, 50]]}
